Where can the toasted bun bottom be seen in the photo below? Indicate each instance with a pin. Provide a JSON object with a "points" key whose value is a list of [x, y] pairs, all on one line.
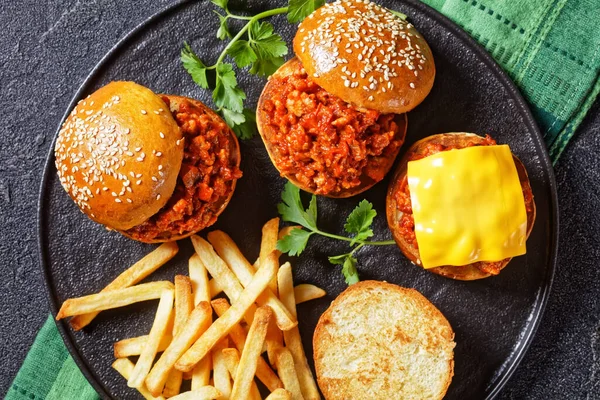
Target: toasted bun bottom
{"points": [[266, 132], [382, 341], [216, 208], [460, 140]]}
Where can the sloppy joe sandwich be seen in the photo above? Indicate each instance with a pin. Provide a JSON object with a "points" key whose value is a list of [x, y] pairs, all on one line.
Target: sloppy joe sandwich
{"points": [[154, 167], [382, 341], [460, 205], [333, 117]]}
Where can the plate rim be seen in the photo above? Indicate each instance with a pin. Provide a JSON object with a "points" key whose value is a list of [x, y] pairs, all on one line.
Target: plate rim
{"points": [[537, 313]]}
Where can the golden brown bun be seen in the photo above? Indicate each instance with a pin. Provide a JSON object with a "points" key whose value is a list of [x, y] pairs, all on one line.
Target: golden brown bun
{"points": [[366, 55], [218, 207], [266, 132], [460, 139], [109, 149], [382, 341]]}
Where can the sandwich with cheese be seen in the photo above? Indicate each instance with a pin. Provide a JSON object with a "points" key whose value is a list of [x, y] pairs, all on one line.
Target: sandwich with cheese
{"points": [[460, 205], [333, 117]]}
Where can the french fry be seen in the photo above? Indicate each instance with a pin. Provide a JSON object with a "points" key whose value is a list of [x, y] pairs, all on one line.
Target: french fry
{"points": [[184, 302], [279, 394], [246, 370], [131, 276], [158, 330], [196, 324], [232, 359], [199, 279], [306, 292], [173, 383], [292, 337], [287, 373], [221, 377], [274, 341], [238, 336], [221, 327], [221, 273], [203, 393], [268, 244], [230, 253], [133, 346], [215, 288], [201, 373], [113, 299], [124, 366]]}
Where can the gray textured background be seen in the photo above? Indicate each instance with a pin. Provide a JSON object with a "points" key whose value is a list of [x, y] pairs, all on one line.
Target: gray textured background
{"points": [[47, 48]]}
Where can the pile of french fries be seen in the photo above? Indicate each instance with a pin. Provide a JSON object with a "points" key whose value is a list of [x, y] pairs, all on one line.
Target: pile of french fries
{"points": [[221, 357]]}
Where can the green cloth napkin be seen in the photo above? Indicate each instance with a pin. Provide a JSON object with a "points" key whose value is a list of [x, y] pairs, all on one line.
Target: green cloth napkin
{"points": [[550, 48]]}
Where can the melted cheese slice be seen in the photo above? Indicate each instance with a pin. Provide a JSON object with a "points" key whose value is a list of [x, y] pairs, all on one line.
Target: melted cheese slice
{"points": [[468, 206]]}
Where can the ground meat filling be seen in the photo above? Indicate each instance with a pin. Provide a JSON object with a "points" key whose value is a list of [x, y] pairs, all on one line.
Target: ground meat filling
{"points": [[323, 142], [406, 225], [206, 179]]}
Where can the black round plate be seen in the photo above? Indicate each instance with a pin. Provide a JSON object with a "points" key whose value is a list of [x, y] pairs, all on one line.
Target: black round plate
{"points": [[494, 319]]}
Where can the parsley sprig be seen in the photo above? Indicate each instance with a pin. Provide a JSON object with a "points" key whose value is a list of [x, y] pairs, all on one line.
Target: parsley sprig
{"points": [[358, 226], [256, 46]]}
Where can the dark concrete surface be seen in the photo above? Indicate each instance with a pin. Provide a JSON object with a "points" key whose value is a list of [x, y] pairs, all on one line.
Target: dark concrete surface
{"points": [[48, 47]]}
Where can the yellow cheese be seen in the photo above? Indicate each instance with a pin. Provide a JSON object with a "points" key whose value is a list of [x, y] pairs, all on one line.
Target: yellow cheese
{"points": [[468, 206]]}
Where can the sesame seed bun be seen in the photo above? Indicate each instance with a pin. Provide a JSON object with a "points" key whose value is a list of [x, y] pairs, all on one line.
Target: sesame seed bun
{"points": [[214, 208], [366, 55], [111, 146], [383, 341], [478, 270], [267, 131]]}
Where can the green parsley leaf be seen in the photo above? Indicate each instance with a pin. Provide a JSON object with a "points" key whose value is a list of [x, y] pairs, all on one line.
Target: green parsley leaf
{"points": [[226, 93], [348, 264], [337, 260], [232, 118], [360, 220], [295, 242], [242, 53], [312, 210], [292, 210], [300, 9], [266, 68], [265, 42], [194, 66], [220, 3], [398, 14], [349, 270], [247, 129], [223, 31]]}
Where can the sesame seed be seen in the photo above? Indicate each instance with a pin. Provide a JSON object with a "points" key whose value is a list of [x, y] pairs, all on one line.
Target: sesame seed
{"points": [[117, 200], [158, 197], [144, 112], [412, 85], [156, 112], [160, 167], [138, 182], [154, 179], [370, 98], [129, 200], [158, 154], [162, 135]]}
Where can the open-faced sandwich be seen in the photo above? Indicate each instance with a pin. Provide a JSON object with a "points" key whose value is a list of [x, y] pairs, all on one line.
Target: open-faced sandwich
{"points": [[460, 205], [153, 167], [333, 117], [382, 341]]}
